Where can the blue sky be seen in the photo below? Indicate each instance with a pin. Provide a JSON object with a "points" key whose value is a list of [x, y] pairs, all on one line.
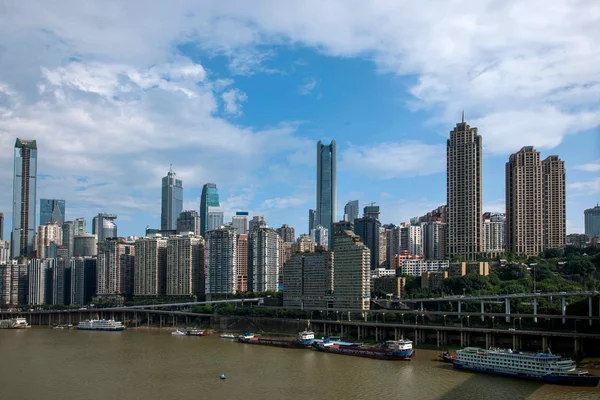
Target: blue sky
{"points": [[238, 94]]}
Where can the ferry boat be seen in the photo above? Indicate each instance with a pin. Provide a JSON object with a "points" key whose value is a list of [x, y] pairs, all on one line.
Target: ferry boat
{"points": [[391, 350], [196, 332], [179, 332], [14, 323], [304, 340], [101, 325], [64, 326], [546, 367]]}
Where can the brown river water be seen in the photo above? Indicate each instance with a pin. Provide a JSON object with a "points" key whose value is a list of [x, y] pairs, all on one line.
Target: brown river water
{"points": [[53, 364]]}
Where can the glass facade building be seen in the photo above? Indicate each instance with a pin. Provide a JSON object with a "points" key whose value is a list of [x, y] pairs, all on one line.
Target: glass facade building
{"points": [[24, 198], [210, 198], [52, 210], [172, 201], [326, 186]]}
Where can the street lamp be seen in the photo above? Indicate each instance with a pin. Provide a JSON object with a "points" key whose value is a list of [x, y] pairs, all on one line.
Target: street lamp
{"points": [[532, 267]]}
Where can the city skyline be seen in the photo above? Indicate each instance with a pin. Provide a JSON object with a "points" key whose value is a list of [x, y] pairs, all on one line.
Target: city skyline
{"points": [[245, 114]]}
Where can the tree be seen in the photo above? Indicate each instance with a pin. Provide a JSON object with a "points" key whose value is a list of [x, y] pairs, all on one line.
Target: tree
{"points": [[511, 272]]}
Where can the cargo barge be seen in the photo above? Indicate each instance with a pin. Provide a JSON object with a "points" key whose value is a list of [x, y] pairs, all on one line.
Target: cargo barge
{"points": [[390, 350], [304, 340]]}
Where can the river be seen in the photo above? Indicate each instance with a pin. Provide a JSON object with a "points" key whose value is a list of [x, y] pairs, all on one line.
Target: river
{"points": [[51, 364]]}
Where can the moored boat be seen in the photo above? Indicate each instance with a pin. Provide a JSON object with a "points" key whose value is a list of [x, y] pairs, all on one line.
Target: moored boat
{"points": [[227, 336], [101, 325], [390, 350], [179, 332], [14, 323], [447, 357], [304, 340], [64, 326], [545, 367], [196, 332]]}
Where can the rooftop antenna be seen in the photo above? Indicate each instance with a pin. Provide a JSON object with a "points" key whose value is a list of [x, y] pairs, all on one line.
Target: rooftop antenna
{"points": [[463, 116]]}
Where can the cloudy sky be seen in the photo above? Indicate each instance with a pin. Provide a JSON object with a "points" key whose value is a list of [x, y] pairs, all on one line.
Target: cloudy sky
{"points": [[238, 93]]}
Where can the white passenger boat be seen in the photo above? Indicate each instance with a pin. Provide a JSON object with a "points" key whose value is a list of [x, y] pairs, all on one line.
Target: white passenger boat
{"points": [[101, 325]]}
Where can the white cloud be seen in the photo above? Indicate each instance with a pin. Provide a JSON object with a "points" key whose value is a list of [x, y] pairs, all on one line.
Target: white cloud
{"points": [[586, 187], [308, 85], [594, 166], [285, 202], [395, 160], [233, 99]]}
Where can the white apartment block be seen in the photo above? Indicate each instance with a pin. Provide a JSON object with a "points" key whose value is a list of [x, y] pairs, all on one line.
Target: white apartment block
{"points": [[417, 267], [185, 265], [263, 260], [150, 266]]}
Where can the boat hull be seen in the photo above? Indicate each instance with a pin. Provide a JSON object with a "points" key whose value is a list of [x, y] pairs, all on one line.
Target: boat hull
{"points": [[102, 329], [399, 355], [568, 380], [289, 344]]}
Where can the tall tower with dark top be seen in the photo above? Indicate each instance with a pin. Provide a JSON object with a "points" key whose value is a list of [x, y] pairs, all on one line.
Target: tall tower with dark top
{"points": [[172, 201], [464, 187], [24, 186], [326, 186]]}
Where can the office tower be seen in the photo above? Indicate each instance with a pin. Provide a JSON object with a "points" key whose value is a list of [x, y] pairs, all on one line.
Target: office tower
{"points": [[52, 210], [150, 266], [104, 227], [464, 186], [287, 233], [352, 272], [85, 245], [257, 222], [79, 227], [24, 188], [304, 243], [68, 239], [367, 228], [592, 221], [240, 222], [555, 220], [221, 261], [172, 201], [524, 203], [312, 220], [114, 268], [320, 236], [308, 280], [351, 211], [49, 233], [1, 227], [326, 186], [242, 262], [37, 275], [209, 198], [263, 254], [188, 221], [371, 211], [434, 240], [493, 232], [215, 218], [61, 282], [13, 284], [83, 280], [185, 266]]}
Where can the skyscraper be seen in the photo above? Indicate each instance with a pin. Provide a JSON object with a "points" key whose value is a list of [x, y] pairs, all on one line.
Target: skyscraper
{"points": [[172, 201], [103, 226], [242, 262], [209, 198], [24, 190], [493, 232], [308, 280], [592, 221], [68, 239], [434, 240], [215, 218], [326, 186], [464, 186], [555, 231], [221, 261], [257, 222], [263, 260], [524, 203], [83, 279], [240, 222], [52, 210], [320, 235], [49, 233], [188, 221], [185, 266], [1, 226], [114, 268], [312, 220], [150, 266], [79, 226], [352, 272], [351, 211], [287, 233], [367, 228]]}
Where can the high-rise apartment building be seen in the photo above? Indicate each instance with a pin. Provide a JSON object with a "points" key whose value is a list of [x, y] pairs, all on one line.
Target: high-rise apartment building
{"points": [[351, 211], [352, 272], [221, 261], [434, 240], [493, 232], [79, 226], [320, 236], [304, 243], [383, 247], [188, 221], [172, 201], [341, 226], [240, 222], [287, 233], [242, 262], [52, 210], [257, 222], [592, 221], [24, 198], [263, 260], [392, 238], [367, 228], [39, 290], [68, 239], [185, 266], [555, 220], [114, 268], [61, 282], [150, 266], [104, 227], [83, 279], [308, 280], [524, 203], [49, 233], [13, 284], [326, 186], [464, 191], [209, 198], [215, 218]]}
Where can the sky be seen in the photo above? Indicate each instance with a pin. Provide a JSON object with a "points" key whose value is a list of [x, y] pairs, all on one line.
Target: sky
{"points": [[237, 93]]}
